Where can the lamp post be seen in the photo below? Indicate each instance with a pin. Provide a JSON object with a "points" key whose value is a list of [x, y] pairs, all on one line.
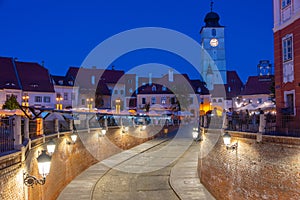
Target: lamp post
{"points": [[25, 101], [58, 100], [90, 103], [44, 163]]}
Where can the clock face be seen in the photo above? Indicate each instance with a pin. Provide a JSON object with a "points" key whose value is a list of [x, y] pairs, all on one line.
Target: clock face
{"points": [[214, 42]]}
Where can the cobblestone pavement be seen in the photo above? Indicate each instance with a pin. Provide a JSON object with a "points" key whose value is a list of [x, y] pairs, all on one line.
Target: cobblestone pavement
{"points": [[159, 169]]}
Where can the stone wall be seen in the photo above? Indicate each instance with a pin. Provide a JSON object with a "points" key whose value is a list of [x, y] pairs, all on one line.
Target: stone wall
{"points": [[68, 161], [269, 169]]}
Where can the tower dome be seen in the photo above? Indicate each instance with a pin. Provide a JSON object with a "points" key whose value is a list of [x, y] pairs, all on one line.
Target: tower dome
{"points": [[212, 20]]}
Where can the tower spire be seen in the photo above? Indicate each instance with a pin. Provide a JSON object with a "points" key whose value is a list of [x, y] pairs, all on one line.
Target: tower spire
{"points": [[211, 5]]}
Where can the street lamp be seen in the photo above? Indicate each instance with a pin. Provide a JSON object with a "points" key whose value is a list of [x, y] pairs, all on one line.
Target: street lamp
{"points": [[25, 98], [143, 127], [58, 100], [195, 133], [44, 163], [125, 129], [73, 139], [51, 147], [227, 142], [102, 132], [90, 103]]}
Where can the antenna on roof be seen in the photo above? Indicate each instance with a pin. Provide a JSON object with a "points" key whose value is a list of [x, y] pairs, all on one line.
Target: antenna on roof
{"points": [[211, 5], [43, 63]]}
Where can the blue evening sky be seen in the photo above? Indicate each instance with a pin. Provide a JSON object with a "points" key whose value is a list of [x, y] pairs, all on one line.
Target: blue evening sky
{"points": [[63, 32]]}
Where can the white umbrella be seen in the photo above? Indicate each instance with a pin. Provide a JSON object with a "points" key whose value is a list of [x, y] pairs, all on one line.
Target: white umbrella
{"points": [[247, 107], [266, 105], [53, 116]]}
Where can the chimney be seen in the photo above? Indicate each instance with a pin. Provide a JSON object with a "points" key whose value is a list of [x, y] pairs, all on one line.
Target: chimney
{"points": [[171, 75], [150, 78]]}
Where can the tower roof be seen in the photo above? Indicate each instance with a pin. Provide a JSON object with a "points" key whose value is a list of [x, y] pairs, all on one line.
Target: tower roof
{"points": [[212, 19]]}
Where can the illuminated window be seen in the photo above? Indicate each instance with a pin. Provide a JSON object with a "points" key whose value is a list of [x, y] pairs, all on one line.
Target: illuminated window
{"points": [[153, 100], [38, 99]]}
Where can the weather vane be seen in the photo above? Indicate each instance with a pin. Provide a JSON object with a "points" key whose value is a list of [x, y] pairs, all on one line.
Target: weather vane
{"points": [[211, 5]]}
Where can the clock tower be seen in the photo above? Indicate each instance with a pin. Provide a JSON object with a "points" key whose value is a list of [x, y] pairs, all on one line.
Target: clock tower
{"points": [[213, 61]]}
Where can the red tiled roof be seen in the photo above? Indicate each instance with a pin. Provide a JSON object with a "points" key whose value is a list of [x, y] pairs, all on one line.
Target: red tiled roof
{"points": [[34, 77], [85, 74], [258, 85], [232, 89], [8, 76]]}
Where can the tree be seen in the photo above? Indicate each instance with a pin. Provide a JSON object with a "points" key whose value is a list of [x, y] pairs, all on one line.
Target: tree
{"points": [[11, 103]]}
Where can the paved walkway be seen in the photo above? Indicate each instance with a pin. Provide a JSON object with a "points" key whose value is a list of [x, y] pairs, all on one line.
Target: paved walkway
{"points": [[143, 172]]}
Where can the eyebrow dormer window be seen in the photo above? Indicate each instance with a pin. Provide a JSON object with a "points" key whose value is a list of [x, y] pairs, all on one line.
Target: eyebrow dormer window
{"points": [[10, 84], [60, 82], [71, 82], [34, 85], [153, 88], [164, 88]]}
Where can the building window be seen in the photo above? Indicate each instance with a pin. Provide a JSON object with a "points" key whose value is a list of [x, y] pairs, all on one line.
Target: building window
{"points": [[130, 81], [38, 99], [287, 48], [163, 100], [285, 3], [143, 100], [153, 100], [116, 91], [73, 96], [288, 65], [259, 101], [191, 100], [71, 82], [219, 100], [66, 96], [199, 90], [83, 102], [130, 90], [229, 89], [47, 99], [214, 101], [173, 100], [164, 88], [289, 99], [213, 32], [153, 88], [121, 92], [93, 81], [60, 82]]}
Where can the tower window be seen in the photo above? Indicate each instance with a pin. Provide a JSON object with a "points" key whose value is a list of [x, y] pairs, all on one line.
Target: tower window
{"points": [[213, 32]]}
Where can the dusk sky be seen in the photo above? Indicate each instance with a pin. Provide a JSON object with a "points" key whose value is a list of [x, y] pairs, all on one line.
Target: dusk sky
{"points": [[63, 32]]}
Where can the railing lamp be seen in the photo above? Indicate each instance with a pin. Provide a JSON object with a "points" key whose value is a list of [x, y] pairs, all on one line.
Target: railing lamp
{"points": [[51, 147]]}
